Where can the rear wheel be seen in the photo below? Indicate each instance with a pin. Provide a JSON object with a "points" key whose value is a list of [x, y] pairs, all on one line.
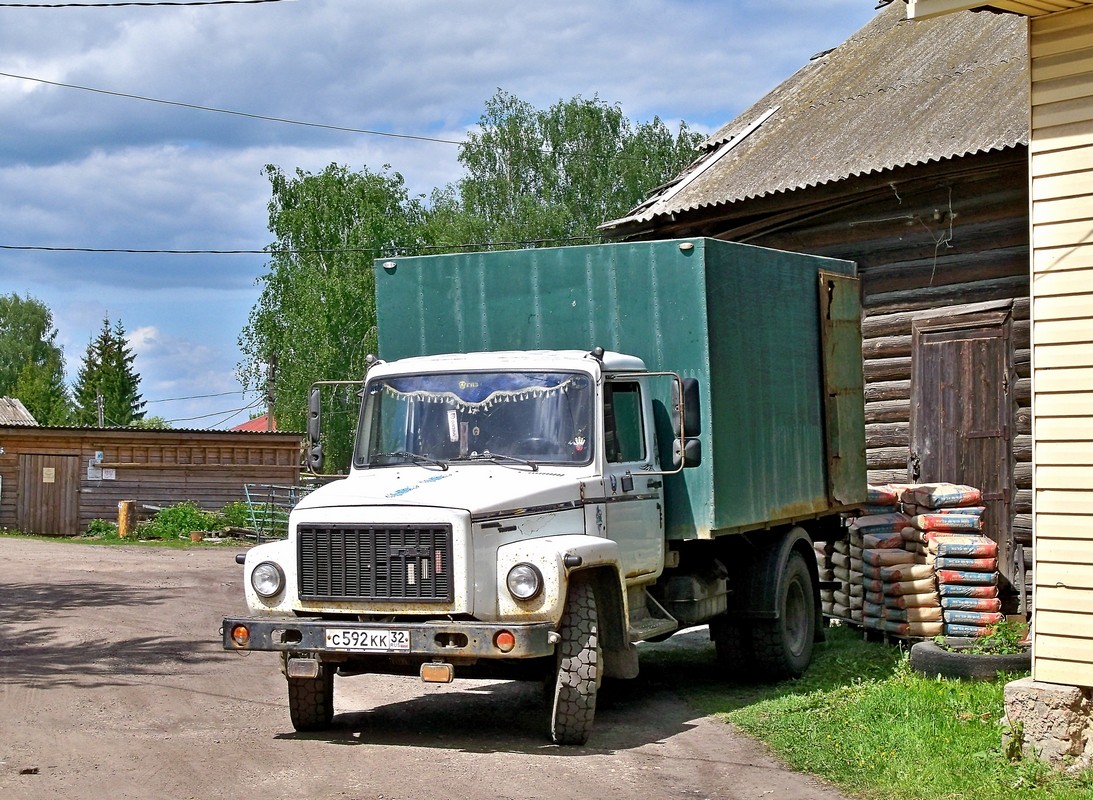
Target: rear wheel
{"points": [[311, 701], [783, 646], [577, 668]]}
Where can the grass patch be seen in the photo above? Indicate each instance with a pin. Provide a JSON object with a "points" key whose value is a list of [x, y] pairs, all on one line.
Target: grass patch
{"points": [[863, 720], [169, 527]]}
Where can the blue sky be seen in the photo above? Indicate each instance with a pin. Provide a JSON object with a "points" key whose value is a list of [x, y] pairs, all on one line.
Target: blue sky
{"points": [[92, 169]]}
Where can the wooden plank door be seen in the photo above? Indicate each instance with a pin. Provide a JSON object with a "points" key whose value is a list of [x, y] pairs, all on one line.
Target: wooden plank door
{"points": [[47, 499], [961, 412]]}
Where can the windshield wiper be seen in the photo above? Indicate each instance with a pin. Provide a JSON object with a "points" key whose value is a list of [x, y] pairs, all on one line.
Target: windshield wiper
{"points": [[404, 455], [501, 458]]}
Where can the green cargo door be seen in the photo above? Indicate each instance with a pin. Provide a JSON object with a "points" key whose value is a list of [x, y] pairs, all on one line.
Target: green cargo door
{"points": [[844, 387]]}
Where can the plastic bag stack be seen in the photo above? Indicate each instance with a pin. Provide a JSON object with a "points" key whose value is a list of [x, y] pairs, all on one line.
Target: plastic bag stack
{"points": [[899, 592], [946, 527]]}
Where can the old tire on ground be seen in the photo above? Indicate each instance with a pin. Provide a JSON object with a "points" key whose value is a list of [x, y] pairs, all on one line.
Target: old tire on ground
{"points": [[577, 667], [931, 660], [783, 646], [732, 640], [311, 701]]}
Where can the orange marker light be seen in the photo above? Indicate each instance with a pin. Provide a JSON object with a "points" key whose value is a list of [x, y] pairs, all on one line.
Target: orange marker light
{"points": [[240, 635], [504, 641]]}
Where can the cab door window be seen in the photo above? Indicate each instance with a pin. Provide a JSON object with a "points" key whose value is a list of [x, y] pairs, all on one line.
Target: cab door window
{"points": [[623, 428]]}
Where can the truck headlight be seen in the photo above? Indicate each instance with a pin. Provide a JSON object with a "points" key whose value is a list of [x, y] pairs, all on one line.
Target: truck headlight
{"points": [[267, 579], [524, 581]]}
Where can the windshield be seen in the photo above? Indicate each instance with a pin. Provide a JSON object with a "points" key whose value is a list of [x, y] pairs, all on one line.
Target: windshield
{"points": [[540, 417]]}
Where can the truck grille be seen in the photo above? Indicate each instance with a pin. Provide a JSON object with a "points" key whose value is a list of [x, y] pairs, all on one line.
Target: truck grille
{"points": [[405, 563]]}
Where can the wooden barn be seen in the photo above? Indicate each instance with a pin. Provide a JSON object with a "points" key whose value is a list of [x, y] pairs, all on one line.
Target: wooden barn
{"points": [[904, 149], [54, 481]]}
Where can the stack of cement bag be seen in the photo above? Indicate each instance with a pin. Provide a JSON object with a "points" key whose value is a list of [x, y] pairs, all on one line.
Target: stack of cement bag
{"points": [[947, 527], [914, 564], [900, 595], [845, 570], [827, 575]]}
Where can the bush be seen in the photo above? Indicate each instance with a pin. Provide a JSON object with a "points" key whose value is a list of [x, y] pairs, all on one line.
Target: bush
{"points": [[102, 529], [235, 515], [177, 520]]}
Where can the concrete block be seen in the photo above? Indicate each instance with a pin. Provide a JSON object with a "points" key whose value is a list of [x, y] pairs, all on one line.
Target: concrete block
{"points": [[1050, 721]]}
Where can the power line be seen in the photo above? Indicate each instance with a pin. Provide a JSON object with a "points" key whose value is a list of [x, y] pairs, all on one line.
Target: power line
{"points": [[305, 251], [245, 114], [146, 3], [193, 397], [231, 413]]}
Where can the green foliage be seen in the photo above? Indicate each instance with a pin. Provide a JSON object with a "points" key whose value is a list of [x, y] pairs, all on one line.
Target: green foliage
{"points": [[531, 176], [107, 373], [544, 176], [151, 423], [177, 520], [31, 362], [1002, 638], [863, 720], [316, 315], [234, 515], [174, 522], [101, 529]]}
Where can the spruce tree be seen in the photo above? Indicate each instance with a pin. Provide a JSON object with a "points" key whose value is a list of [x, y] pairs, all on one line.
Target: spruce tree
{"points": [[107, 376]]}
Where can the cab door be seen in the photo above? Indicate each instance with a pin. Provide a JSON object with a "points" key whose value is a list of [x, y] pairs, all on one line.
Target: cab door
{"points": [[634, 498]]}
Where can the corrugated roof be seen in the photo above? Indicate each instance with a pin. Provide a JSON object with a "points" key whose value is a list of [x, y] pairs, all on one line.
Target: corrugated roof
{"points": [[260, 423], [13, 412], [897, 93]]}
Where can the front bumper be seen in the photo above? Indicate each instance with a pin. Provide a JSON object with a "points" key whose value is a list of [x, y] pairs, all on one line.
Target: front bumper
{"points": [[437, 640]]}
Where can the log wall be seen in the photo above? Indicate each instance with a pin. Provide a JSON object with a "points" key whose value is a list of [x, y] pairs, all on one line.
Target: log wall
{"points": [[152, 467]]}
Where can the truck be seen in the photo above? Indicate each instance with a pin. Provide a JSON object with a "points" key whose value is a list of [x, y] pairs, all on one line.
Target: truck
{"points": [[563, 453]]}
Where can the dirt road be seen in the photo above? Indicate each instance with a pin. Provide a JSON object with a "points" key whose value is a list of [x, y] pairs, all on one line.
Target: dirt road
{"points": [[113, 684]]}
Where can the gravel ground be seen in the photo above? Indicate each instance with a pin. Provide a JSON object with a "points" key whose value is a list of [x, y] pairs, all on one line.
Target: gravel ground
{"points": [[113, 684]]}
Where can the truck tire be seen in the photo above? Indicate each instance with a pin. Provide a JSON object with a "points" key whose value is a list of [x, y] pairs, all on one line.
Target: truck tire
{"points": [[577, 667], [732, 640], [311, 701], [783, 646]]}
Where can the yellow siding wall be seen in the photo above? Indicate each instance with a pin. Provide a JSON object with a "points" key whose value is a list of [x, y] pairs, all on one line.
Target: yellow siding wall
{"points": [[1061, 48]]}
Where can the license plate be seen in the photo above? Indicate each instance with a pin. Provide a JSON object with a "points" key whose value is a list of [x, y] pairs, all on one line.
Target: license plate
{"points": [[368, 639]]}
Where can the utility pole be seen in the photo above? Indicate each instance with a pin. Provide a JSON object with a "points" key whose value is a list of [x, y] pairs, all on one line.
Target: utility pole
{"points": [[100, 406], [271, 393]]}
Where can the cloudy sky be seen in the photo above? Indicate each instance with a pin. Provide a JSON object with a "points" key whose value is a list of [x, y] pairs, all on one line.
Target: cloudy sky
{"points": [[86, 165]]}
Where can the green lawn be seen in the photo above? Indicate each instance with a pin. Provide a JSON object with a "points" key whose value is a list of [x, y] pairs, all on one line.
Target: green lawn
{"points": [[862, 720]]}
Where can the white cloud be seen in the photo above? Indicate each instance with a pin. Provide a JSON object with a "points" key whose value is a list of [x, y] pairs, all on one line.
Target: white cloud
{"points": [[88, 169]]}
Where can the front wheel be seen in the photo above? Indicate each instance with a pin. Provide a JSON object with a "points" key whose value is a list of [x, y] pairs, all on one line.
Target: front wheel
{"points": [[577, 667], [311, 701], [782, 647], [735, 649]]}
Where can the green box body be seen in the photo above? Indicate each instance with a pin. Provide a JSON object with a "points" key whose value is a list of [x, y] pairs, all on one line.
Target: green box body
{"points": [[774, 339]]}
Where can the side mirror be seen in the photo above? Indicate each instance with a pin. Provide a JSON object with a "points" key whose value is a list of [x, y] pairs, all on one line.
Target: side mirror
{"points": [[686, 406], [314, 430], [686, 453]]}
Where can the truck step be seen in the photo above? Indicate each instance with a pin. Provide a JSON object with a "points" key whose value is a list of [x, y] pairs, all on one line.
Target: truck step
{"points": [[649, 627]]}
